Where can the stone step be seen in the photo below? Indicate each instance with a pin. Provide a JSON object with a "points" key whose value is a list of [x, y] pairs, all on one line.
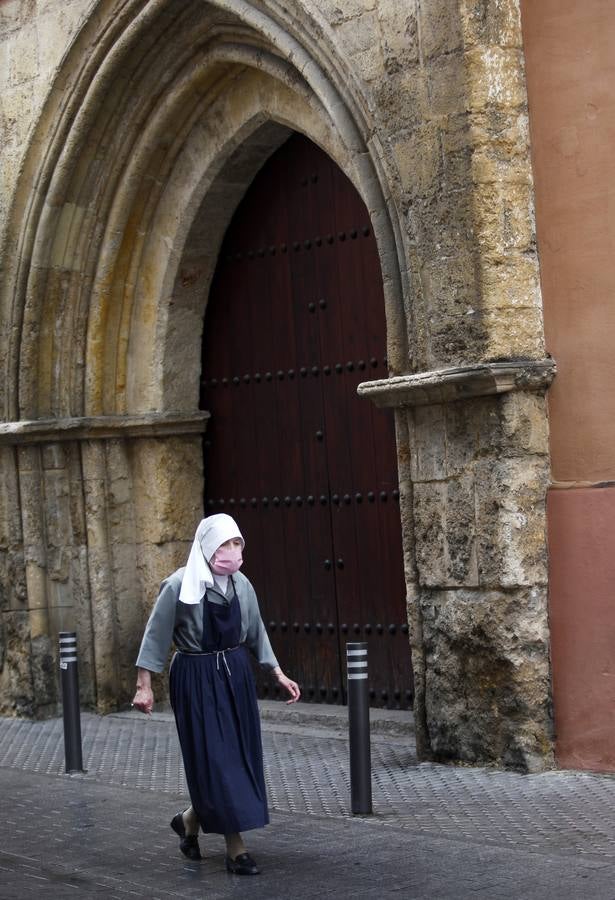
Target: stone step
{"points": [[323, 720], [383, 722]]}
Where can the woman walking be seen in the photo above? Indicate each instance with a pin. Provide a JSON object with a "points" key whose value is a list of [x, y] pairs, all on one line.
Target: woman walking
{"points": [[209, 610]]}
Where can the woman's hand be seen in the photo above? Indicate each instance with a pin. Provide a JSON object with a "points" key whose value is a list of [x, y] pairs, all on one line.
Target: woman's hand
{"points": [[144, 698], [291, 686]]}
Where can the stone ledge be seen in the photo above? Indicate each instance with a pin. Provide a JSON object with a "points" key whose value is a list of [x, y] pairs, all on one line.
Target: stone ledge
{"points": [[461, 383], [85, 428]]}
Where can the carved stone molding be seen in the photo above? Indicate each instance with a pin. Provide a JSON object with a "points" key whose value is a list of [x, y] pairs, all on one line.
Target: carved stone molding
{"points": [[85, 428], [459, 383]]}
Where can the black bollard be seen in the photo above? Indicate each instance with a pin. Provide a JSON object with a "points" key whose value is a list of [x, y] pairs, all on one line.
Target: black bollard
{"points": [[70, 701], [358, 721]]}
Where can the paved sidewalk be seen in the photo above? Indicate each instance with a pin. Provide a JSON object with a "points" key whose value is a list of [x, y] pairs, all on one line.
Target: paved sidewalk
{"points": [[437, 832]]}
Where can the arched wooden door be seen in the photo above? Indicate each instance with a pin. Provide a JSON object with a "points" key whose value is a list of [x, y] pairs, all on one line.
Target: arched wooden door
{"points": [[294, 322]]}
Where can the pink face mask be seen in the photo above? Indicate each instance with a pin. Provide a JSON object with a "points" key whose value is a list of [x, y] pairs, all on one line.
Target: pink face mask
{"points": [[226, 560]]}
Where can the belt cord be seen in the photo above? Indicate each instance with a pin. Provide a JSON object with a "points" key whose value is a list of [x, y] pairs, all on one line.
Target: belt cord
{"points": [[218, 653]]}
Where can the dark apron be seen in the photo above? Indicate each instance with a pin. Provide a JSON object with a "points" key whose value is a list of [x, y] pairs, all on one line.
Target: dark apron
{"points": [[214, 701]]}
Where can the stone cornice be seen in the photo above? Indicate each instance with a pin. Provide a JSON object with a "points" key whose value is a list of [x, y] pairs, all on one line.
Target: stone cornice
{"points": [[86, 428], [460, 383]]}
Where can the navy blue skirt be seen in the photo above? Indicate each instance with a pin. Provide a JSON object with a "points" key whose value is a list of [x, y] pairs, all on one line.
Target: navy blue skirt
{"points": [[218, 724]]}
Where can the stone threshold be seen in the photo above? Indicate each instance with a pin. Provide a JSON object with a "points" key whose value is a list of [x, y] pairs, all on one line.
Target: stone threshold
{"points": [[327, 719], [390, 722], [459, 383]]}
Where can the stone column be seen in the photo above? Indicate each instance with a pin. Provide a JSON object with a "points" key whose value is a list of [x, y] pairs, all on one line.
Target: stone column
{"points": [[474, 474]]}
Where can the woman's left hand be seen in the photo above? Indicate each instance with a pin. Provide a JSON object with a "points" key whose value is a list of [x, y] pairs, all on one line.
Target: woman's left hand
{"points": [[291, 686]]}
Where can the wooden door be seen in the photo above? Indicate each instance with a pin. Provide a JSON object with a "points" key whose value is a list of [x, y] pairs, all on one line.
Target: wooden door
{"points": [[295, 320]]}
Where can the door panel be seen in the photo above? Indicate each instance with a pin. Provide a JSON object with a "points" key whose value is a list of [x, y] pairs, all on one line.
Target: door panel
{"points": [[295, 321]]}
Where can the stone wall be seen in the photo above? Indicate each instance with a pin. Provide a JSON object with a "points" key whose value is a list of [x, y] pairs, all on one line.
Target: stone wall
{"points": [[148, 123], [480, 472]]}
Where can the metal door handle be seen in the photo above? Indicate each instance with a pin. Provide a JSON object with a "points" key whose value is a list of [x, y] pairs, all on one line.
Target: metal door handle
{"points": [[340, 563], [327, 564]]}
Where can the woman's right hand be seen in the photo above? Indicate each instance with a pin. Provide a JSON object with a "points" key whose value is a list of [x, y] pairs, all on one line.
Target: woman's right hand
{"points": [[144, 698]]}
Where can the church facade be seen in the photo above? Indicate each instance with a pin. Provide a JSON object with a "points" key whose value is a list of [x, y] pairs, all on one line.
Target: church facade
{"points": [[133, 132]]}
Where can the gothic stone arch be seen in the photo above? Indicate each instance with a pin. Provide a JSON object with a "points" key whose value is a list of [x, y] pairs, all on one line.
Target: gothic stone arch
{"points": [[156, 122]]}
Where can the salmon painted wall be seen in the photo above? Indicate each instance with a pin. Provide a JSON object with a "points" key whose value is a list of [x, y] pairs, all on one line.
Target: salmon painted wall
{"points": [[570, 65]]}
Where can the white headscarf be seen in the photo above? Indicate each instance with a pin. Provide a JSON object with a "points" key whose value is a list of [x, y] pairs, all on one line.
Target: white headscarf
{"points": [[211, 533]]}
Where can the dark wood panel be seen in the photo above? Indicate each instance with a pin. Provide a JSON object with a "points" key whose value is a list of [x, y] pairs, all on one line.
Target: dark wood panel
{"points": [[295, 320]]}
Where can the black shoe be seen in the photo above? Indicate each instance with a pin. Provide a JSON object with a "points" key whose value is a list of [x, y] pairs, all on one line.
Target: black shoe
{"points": [[188, 843], [242, 865]]}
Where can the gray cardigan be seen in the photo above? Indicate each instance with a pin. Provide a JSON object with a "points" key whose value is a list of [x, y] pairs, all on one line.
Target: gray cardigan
{"points": [[172, 621]]}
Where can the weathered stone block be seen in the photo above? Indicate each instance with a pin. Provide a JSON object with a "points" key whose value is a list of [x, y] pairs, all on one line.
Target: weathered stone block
{"points": [[428, 444], [490, 166], [443, 226], [370, 62], [510, 516], [13, 102], [504, 131], [405, 92], [14, 13], [525, 426], [513, 282], [447, 85], [12, 580], [457, 151], [10, 163], [459, 339], [55, 27], [77, 511], [445, 529], [449, 286], [495, 22], [23, 55], [504, 218], [419, 160], [4, 59], [440, 28], [487, 677], [168, 508], [44, 674], [400, 45], [338, 13], [16, 674], [511, 333], [473, 429], [58, 532], [188, 322], [10, 518], [495, 78], [54, 456], [120, 498]]}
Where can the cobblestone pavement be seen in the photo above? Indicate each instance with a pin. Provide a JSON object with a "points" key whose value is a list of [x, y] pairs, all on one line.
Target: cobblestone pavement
{"points": [[437, 831]]}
